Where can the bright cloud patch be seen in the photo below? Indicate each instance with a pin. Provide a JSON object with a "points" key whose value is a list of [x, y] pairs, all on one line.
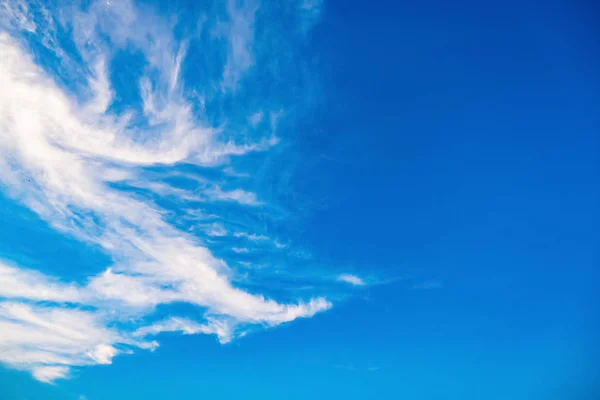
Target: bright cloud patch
{"points": [[351, 279], [96, 154]]}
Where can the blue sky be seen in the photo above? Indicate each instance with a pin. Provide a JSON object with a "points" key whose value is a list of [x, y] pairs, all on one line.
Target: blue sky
{"points": [[299, 199]]}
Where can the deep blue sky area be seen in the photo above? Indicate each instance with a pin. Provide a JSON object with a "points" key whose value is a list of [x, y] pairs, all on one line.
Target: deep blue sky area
{"points": [[446, 154]]}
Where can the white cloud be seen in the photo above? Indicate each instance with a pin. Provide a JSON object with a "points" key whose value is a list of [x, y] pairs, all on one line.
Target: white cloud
{"points": [[310, 12], [21, 283], [48, 340], [239, 32], [221, 328], [49, 374], [256, 118], [216, 229], [103, 353], [58, 155], [16, 13], [102, 94], [236, 195], [251, 236], [351, 279]]}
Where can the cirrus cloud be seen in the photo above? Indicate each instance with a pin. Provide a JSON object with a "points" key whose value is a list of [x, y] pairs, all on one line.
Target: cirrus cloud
{"points": [[67, 152]]}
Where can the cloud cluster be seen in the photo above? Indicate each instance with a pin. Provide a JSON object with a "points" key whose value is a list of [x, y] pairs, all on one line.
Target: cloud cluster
{"points": [[63, 152]]}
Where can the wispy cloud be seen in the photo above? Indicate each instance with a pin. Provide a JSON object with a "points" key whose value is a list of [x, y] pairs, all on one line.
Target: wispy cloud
{"points": [[351, 279], [61, 151], [236, 195], [216, 229], [256, 118], [48, 340], [251, 236], [222, 329], [310, 12], [239, 33], [49, 374], [32, 285], [17, 13]]}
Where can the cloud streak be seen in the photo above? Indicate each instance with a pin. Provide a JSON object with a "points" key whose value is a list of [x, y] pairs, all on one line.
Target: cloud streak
{"points": [[351, 279]]}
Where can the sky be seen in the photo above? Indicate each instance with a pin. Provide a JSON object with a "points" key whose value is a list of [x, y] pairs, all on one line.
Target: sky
{"points": [[299, 199]]}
